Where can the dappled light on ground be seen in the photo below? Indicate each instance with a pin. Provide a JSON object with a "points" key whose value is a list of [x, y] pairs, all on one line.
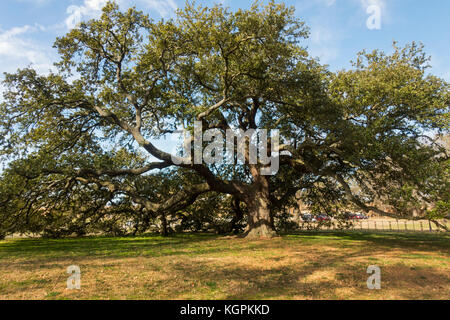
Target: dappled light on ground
{"points": [[305, 266]]}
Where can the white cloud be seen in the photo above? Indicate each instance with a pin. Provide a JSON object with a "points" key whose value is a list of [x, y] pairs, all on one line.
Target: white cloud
{"points": [[18, 49], [92, 9], [89, 9]]}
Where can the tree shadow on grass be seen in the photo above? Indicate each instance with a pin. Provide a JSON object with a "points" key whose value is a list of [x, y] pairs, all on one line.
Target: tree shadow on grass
{"points": [[419, 241], [330, 279], [229, 268], [32, 251], [98, 246]]}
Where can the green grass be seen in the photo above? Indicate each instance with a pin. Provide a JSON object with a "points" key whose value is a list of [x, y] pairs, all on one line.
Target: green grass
{"points": [[320, 265]]}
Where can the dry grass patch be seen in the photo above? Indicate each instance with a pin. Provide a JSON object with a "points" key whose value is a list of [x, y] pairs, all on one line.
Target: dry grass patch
{"points": [[306, 266]]}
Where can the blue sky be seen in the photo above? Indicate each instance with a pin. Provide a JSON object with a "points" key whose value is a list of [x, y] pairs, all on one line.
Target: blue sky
{"points": [[338, 27]]}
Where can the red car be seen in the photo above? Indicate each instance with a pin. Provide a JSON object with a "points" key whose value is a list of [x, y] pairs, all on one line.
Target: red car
{"points": [[356, 216], [323, 217], [352, 216]]}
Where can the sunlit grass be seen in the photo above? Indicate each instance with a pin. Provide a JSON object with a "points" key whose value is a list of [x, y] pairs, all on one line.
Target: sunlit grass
{"points": [[327, 265]]}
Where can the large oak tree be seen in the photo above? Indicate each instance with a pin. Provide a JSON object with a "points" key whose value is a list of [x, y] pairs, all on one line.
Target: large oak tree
{"points": [[81, 138]]}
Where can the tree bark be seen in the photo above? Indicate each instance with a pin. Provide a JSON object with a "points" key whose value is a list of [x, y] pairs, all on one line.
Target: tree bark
{"points": [[238, 216], [259, 223], [164, 229]]}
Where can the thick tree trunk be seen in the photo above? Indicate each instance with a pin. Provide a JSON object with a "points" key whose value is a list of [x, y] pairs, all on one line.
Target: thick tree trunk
{"points": [[164, 229], [238, 216], [258, 204]]}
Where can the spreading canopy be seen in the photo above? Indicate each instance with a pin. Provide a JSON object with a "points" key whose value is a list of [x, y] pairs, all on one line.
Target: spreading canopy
{"points": [[82, 139]]}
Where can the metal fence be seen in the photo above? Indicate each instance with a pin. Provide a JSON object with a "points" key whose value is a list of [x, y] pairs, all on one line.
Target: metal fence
{"points": [[375, 225]]}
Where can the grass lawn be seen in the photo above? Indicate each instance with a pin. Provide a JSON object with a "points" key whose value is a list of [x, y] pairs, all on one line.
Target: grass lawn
{"points": [[304, 266]]}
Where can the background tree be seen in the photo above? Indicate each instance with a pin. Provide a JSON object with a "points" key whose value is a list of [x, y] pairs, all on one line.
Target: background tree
{"points": [[124, 81]]}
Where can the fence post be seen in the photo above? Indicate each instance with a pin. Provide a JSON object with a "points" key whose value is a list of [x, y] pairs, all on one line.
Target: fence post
{"points": [[421, 226], [375, 225], [390, 225]]}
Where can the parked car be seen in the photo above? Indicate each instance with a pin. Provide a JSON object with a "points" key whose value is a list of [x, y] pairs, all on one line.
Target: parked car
{"points": [[307, 217], [323, 217], [352, 216], [362, 216]]}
